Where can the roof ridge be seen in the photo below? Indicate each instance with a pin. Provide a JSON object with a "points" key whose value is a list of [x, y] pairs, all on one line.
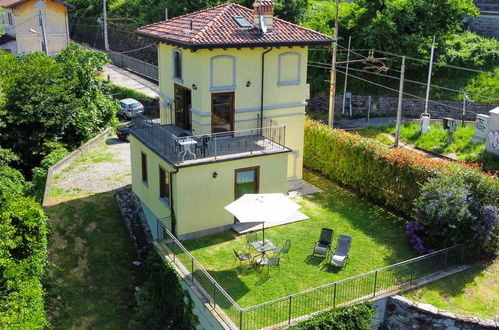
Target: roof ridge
{"points": [[302, 27], [215, 19]]}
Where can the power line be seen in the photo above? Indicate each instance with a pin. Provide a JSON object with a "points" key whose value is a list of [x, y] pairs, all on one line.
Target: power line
{"points": [[412, 81], [135, 50], [11, 27]]}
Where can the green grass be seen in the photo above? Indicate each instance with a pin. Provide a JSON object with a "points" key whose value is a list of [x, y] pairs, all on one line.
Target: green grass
{"points": [[435, 140], [378, 241], [473, 292]]}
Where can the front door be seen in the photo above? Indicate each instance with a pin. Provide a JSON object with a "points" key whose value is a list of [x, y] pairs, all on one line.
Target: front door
{"points": [[182, 107], [222, 112], [246, 181]]}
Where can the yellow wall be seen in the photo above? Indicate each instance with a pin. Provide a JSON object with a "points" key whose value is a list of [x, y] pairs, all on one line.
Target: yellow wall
{"points": [[56, 26], [285, 104], [198, 198]]}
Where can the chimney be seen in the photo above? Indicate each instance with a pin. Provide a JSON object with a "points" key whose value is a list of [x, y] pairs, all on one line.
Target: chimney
{"points": [[264, 8]]}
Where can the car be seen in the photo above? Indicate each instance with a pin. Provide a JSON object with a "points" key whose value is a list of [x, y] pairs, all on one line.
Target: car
{"points": [[123, 132], [130, 108]]}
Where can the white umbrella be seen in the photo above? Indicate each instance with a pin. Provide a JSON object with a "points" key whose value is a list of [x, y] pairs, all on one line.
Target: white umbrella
{"points": [[264, 208]]}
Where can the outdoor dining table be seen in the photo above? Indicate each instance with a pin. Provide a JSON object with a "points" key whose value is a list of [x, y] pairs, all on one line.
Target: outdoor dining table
{"points": [[263, 247]]}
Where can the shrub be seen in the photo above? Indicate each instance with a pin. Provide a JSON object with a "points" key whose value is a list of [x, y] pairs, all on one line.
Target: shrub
{"points": [[352, 317], [459, 206], [389, 176], [162, 302], [119, 93]]}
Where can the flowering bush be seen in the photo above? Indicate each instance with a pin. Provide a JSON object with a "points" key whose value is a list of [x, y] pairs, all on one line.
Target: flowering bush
{"points": [[415, 230], [456, 208]]}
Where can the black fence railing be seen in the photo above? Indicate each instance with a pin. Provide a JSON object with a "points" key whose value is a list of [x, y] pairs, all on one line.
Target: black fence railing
{"points": [[286, 310], [182, 149]]}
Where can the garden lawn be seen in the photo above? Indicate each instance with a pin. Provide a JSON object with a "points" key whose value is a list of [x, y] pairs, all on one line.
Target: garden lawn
{"points": [[378, 241], [435, 140], [473, 292]]}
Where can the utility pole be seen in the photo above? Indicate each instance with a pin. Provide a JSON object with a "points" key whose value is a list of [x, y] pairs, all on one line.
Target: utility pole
{"points": [[346, 76], [399, 107], [429, 77], [44, 33], [104, 14], [464, 108], [332, 86]]}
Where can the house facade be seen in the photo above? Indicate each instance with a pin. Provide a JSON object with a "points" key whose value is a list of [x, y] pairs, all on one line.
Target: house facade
{"points": [[22, 25], [233, 96]]}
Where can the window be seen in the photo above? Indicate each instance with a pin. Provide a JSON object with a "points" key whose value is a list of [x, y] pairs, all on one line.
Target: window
{"points": [[242, 22], [143, 160], [177, 64], [43, 47], [289, 69], [246, 181], [9, 19], [164, 185], [223, 73]]}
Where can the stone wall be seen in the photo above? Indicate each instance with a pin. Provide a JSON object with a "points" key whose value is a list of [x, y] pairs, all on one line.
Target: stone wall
{"points": [[387, 106], [402, 313], [487, 23]]}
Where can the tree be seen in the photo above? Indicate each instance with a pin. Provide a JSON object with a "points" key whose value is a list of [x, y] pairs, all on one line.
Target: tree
{"points": [[162, 302], [291, 10]]}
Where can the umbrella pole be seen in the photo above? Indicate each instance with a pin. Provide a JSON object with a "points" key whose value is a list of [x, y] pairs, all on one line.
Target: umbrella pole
{"points": [[263, 239]]}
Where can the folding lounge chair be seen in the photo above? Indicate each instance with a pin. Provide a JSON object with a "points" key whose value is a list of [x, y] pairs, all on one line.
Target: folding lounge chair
{"points": [[324, 243], [340, 256]]}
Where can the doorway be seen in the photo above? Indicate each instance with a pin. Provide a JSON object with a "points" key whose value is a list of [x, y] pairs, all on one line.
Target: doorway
{"points": [[246, 181], [222, 112], [182, 107]]}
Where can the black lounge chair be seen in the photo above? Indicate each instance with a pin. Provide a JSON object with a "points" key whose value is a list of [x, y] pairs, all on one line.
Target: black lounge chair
{"points": [[323, 245], [342, 252], [285, 248]]}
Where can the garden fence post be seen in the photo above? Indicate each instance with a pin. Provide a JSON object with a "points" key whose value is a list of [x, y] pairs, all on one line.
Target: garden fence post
{"points": [[289, 311], [240, 319], [411, 268], [375, 280], [214, 293], [334, 296], [192, 270]]}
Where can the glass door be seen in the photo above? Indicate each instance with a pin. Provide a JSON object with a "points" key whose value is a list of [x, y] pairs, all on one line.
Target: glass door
{"points": [[246, 181], [222, 112], [182, 107]]}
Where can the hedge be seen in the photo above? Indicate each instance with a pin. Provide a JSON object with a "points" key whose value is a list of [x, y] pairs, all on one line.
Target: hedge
{"points": [[388, 176], [119, 93], [354, 317]]}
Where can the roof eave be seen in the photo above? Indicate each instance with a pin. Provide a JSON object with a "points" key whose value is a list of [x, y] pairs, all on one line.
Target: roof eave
{"points": [[235, 45], [23, 1]]}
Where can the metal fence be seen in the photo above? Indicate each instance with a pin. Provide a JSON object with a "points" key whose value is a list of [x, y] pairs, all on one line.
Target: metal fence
{"points": [[163, 140], [288, 309], [133, 64]]}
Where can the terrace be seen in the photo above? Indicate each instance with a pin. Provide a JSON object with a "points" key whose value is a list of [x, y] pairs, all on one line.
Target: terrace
{"points": [[255, 298], [180, 148]]}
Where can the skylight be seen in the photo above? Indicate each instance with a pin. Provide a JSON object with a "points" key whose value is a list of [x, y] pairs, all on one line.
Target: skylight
{"points": [[243, 22]]}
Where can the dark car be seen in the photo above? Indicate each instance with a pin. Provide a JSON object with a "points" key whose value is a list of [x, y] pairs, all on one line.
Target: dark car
{"points": [[124, 132]]}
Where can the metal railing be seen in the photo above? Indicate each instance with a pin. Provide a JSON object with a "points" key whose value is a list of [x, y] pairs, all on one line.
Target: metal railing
{"points": [[288, 309], [216, 145], [131, 63]]}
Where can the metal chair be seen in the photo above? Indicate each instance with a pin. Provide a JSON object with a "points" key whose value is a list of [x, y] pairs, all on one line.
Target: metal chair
{"points": [[270, 262], [242, 256], [323, 245], [285, 248], [340, 256], [203, 144], [251, 237]]}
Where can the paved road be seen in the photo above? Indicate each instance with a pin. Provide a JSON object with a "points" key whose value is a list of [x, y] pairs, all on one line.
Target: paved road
{"points": [[128, 79]]}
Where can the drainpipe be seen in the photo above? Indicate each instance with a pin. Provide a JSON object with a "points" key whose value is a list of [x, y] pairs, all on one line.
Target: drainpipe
{"points": [[172, 215], [263, 85]]}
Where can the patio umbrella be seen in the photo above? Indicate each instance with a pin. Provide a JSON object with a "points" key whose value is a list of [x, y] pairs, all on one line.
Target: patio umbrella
{"points": [[264, 208]]}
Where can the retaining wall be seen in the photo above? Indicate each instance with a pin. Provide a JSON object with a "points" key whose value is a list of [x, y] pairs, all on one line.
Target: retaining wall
{"points": [[387, 106], [402, 313], [63, 163]]}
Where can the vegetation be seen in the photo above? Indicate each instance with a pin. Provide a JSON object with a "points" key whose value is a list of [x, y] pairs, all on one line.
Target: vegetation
{"points": [[23, 254], [162, 302], [119, 93], [355, 317], [48, 102], [473, 292], [372, 228], [462, 148]]}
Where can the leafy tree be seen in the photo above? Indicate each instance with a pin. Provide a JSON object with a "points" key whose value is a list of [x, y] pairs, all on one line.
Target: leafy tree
{"points": [[162, 303], [48, 101], [291, 10]]}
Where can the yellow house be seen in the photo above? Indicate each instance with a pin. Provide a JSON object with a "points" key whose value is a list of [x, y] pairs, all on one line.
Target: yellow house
{"points": [[24, 22], [233, 96]]}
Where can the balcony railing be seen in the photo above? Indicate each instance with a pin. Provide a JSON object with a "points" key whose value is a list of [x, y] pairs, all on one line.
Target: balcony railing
{"points": [[186, 150]]}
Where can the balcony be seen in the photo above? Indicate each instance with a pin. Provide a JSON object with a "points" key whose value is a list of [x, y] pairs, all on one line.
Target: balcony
{"points": [[181, 149]]}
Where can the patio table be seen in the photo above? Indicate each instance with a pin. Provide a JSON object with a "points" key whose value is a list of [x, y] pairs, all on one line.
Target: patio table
{"points": [[263, 247]]}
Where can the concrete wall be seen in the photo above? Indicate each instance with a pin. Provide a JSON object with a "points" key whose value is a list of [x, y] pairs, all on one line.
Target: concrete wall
{"points": [[387, 106], [230, 71], [402, 313]]}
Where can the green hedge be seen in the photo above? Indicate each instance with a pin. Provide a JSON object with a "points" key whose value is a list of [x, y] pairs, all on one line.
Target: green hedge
{"points": [[119, 93], [388, 176], [355, 317]]}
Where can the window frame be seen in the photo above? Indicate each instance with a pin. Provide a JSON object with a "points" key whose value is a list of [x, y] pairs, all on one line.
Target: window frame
{"points": [[177, 74], [10, 20], [143, 168], [232, 86], [281, 82], [164, 185], [246, 169]]}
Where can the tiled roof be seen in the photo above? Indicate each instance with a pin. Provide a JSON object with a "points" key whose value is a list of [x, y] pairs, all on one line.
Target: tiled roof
{"points": [[216, 28], [13, 3]]}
